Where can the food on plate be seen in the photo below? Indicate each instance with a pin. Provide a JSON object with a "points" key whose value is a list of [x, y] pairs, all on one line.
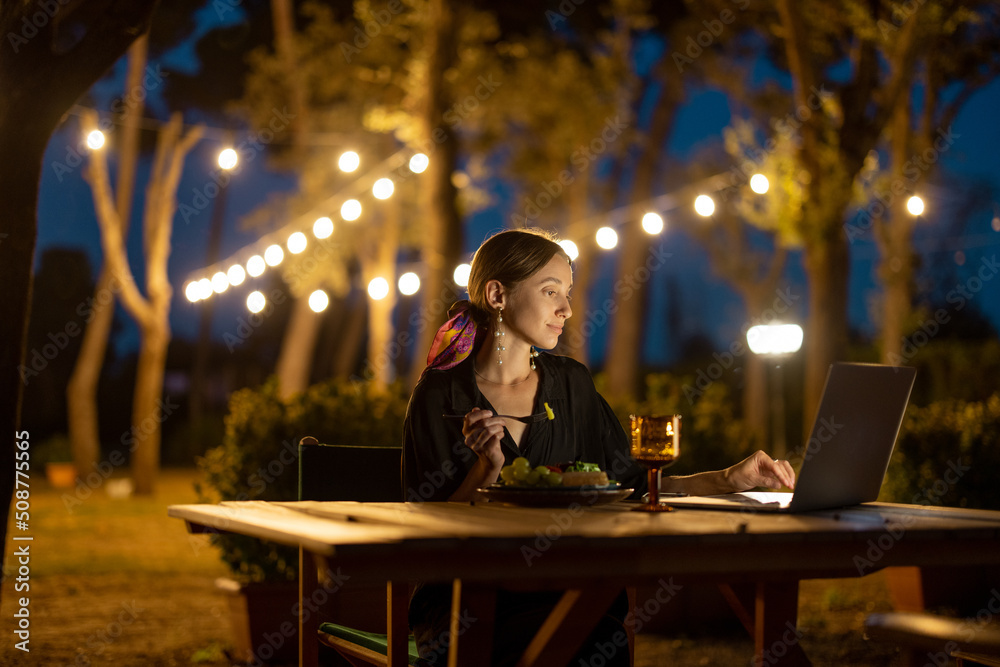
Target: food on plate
{"points": [[584, 474], [520, 473]]}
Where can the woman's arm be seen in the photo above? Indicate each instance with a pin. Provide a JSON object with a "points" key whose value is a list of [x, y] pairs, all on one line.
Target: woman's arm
{"points": [[758, 469]]}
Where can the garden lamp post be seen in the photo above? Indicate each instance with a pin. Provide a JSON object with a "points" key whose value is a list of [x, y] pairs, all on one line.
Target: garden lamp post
{"points": [[776, 342]]}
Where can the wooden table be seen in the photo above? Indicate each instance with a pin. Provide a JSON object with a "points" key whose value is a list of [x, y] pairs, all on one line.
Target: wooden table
{"points": [[592, 552]]}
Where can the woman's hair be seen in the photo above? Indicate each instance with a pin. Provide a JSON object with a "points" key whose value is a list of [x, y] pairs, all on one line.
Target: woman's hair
{"points": [[510, 257]]}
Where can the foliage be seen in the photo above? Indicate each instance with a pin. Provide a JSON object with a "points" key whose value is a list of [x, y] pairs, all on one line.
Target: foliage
{"points": [[55, 449], [947, 454], [712, 436], [258, 457]]}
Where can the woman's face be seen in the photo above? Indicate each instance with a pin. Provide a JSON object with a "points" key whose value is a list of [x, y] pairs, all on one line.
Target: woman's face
{"points": [[538, 307]]}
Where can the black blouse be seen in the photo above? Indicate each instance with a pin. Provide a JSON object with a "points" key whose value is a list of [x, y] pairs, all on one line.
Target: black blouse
{"points": [[436, 459]]}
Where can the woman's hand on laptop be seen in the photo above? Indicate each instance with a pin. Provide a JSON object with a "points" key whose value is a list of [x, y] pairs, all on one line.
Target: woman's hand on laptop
{"points": [[759, 469]]}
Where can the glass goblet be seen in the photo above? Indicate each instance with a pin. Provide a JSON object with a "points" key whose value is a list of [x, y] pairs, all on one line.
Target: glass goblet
{"points": [[656, 444]]}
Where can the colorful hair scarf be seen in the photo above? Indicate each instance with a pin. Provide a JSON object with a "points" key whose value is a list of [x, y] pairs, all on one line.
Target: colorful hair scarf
{"points": [[455, 339]]}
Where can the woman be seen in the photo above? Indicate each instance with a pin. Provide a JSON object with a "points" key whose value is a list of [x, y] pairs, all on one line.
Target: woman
{"points": [[484, 364]]}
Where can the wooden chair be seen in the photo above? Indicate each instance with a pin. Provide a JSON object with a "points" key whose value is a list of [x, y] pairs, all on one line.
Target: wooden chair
{"points": [[926, 637], [364, 474]]}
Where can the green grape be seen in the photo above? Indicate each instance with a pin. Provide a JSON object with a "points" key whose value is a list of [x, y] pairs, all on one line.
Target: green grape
{"points": [[507, 474], [542, 471], [531, 479], [553, 479], [521, 473], [521, 463]]}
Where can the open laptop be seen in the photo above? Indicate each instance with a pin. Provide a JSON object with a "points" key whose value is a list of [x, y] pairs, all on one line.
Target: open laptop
{"points": [[845, 459]]}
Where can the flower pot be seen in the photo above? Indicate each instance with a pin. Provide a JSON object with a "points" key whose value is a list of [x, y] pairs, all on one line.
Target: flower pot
{"points": [[61, 475], [265, 628]]}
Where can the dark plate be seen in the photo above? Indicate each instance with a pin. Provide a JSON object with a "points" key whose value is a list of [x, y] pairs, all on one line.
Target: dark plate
{"points": [[554, 497]]}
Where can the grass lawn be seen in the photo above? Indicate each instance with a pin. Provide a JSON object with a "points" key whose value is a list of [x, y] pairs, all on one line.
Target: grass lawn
{"points": [[118, 582]]}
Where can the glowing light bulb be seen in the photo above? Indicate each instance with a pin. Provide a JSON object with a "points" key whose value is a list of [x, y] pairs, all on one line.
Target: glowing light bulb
{"points": [[318, 301], [256, 301], [256, 265], [652, 223], [570, 249], [409, 283], [273, 255], [220, 283], [607, 238], [378, 288], [704, 205], [349, 161], [759, 183], [419, 163], [351, 210], [383, 188], [461, 275], [915, 205], [95, 140], [228, 158], [297, 243], [323, 228], [236, 275]]}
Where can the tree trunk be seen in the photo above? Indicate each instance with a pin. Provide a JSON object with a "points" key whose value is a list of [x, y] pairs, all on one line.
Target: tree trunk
{"points": [[893, 234], [352, 335], [575, 340], [381, 351], [30, 108], [147, 407], [756, 393], [297, 346], [625, 341], [442, 241], [81, 391], [827, 263]]}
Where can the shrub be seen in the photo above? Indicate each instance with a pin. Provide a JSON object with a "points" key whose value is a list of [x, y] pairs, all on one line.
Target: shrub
{"points": [[258, 457], [947, 454], [712, 437]]}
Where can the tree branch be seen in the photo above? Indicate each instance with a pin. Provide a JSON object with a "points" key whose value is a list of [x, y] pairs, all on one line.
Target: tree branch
{"points": [[112, 239]]}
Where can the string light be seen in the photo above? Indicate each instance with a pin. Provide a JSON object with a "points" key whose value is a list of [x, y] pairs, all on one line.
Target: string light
{"points": [[220, 283], [256, 301], [273, 255], [571, 250], [236, 275], [349, 161], [192, 291], [323, 228], [383, 188], [461, 275], [351, 210], [652, 223], [419, 163], [297, 242], [409, 283], [318, 301], [256, 266], [205, 288], [228, 159], [378, 288], [704, 205], [915, 205], [95, 140], [759, 184], [607, 238]]}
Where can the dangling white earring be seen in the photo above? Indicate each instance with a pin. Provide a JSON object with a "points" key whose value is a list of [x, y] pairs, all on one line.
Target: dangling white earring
{"points": [[499, 336], [531, 355]]}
